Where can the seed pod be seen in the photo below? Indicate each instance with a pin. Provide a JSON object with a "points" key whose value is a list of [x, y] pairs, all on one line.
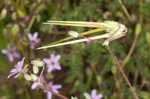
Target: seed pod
{"points": [[35, 69], [33, 77], [73, 34], [37, 63]]}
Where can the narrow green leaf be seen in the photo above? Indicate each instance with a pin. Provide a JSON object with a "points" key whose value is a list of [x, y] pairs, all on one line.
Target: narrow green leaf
{"points": [[76, 41], [76, 23], [68, 38]]}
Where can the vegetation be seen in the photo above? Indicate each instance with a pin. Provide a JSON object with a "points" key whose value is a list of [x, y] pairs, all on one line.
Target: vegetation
{"points": [[77, 70]]}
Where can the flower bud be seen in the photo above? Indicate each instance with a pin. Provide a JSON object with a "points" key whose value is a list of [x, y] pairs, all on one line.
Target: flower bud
{"points": [[27, 77]]}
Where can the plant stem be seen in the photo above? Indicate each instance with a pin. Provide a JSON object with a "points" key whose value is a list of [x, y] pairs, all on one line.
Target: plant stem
{"points": [[125, 11], [118, 84], [122, 72], [137, 33]]}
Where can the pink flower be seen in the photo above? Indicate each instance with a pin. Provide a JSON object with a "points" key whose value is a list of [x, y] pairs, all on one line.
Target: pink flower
{"points": [[11, 53], [88, 41], [52, 87], [38, 83], [17, 69], [93, 95], [52, 62], [33, 40]]}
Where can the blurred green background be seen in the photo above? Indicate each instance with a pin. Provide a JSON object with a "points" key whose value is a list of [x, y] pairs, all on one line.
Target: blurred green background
{"points": [[85, 67]]}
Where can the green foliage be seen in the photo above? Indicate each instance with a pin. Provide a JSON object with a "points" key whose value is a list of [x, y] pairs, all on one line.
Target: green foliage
{"points": [[144, 95], [144, 10], [85, 66]]}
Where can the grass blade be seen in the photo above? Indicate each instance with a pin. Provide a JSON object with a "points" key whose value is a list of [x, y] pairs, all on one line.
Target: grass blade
{"points": [[76, 23], [76, 41], [81, 34]]}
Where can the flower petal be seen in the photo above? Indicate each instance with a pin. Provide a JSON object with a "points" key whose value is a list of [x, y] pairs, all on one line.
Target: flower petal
{"points": [[46, 60], [52, 57], [11, 74], [34, 85], [99, 96], [17, 55], [50, 84], [35, 35], [30, 37], [57, 66], [57, 87], [57, 58], [88, 41], [49, 95], [20, 64], [93, 94], [11, 57], [13, 70], [50, 68], [5, 51]]}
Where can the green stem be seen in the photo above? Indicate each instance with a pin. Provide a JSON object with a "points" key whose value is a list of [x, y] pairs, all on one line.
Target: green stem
{"points": [[125, 11]]}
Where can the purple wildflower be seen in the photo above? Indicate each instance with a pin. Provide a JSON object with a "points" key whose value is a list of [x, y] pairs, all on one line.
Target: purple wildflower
{"points": [[33, 40], [11, 53], [52, 87], [88, 41], [17, 69], [38, 83], [93, 95], [52, 62]]}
